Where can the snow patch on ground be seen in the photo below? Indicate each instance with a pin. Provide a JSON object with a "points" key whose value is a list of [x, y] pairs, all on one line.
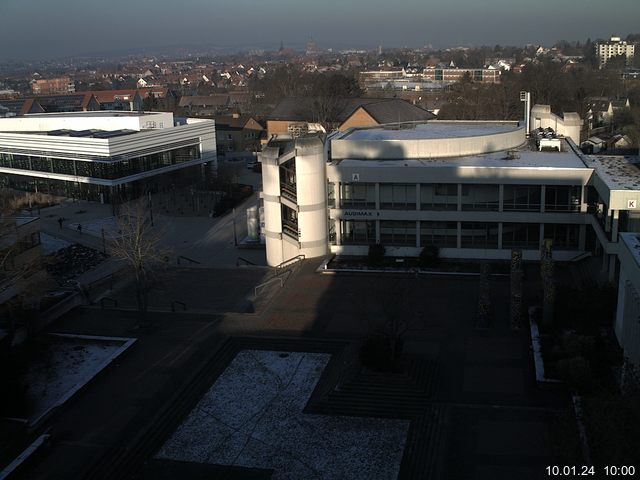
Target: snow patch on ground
{"points": [[64, 366], [252, 417], [94, 227]]}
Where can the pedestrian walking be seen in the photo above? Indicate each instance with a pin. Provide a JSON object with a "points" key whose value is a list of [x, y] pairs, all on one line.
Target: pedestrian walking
{"points": [[60, 222], [79, 229]]}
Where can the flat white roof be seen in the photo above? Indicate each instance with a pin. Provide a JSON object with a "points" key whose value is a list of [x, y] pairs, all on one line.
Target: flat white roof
{"points": [[97, 113], [618, 172], [434, 129], [527, 159], [80, 121]]}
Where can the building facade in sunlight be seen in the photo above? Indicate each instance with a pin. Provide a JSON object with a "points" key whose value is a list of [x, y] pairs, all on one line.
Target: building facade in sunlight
{"points": [[476, 190], [103, 156]]}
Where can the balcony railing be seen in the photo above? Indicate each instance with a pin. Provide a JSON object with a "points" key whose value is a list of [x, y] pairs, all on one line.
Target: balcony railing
{"points": [[288, 191], [290, 228]]}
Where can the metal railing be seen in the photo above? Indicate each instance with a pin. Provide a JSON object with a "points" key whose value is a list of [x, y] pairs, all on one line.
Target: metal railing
{"points": [[262, 286], [189, 260], [243, 261], [287, 264]]}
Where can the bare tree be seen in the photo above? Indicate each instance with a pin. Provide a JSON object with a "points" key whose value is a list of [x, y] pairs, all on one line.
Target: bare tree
{"points": [[138, 243]]}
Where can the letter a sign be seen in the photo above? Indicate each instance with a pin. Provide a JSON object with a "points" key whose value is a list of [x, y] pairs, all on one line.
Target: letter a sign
{"points": [[355, 177]]}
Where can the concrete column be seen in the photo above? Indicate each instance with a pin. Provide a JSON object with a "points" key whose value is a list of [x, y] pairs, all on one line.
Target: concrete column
{"points": [[338, 232], [612, 267], [311, 186], [543, 195], [377, 231], [500, 235], [272, 206], [418, 240], [418, 199], [501, 199], [582, 237], [338, 194], [614, 225], [377, 196], [541, 239], [620, 312], [583, 199], [459, 235], [459, 197]]}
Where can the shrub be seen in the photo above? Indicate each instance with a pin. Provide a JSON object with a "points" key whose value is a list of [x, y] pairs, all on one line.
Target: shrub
{"points": [[429, 256], [376, 254]]}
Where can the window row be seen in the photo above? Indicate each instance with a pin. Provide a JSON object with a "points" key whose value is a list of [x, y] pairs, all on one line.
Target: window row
{"points": [[444, 196], [445, 234], [105, 170]]}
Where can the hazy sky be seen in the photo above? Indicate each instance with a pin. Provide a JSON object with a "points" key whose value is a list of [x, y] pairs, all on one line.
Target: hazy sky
{"points": [[55, 28]]}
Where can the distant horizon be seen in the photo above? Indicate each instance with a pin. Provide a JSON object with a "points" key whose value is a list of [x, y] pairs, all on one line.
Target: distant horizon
{"points": [[71, 28]]}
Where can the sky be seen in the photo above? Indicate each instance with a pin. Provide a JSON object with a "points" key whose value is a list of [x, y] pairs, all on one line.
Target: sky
{"points": [[50, 29]]}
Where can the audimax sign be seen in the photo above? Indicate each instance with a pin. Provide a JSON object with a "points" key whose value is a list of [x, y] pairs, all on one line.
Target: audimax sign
{"points": [[359, 213]]}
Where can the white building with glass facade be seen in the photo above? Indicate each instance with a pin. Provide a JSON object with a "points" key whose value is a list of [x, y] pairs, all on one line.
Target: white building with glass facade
{"points": [[103, 156], [476, 190]]}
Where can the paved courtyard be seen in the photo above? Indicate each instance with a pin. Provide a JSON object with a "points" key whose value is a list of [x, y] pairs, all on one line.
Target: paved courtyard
{"points": [[492, 421]]}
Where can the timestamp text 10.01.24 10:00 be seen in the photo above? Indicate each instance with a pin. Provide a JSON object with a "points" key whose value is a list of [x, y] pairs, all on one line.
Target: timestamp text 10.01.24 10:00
{"points": [[590, 471]]}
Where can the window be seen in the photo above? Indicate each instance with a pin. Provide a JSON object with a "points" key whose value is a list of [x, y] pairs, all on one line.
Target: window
{"points": [[398, 233], [289, 221], [401, 196], [564, 236], [522, 235], [562, 198], [358, 195], [524, 198], [479, 235], [331, 194], [439, 196], [360, 232], [440, 234], [480, 197]]}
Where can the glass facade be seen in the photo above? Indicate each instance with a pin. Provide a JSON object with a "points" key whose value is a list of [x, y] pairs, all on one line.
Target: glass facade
{"points": [[398, 232], [358, 232], [523, 198], [564, 237], [479, 235], [562, 198], [480, 197], [439, 196], [398, 196], [358, 195], [103, 169], [521, 235], [440, 234]]}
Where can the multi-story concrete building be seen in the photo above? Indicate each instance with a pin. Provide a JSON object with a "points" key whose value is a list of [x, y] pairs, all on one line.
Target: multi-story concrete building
{"points": [[474, 189], [53, 85], [425, 79], [613, 48], [103, 156]]}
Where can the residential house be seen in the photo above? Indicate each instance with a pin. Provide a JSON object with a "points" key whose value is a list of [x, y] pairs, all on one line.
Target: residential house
{"points": [[348, 112], [238, 136]]}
